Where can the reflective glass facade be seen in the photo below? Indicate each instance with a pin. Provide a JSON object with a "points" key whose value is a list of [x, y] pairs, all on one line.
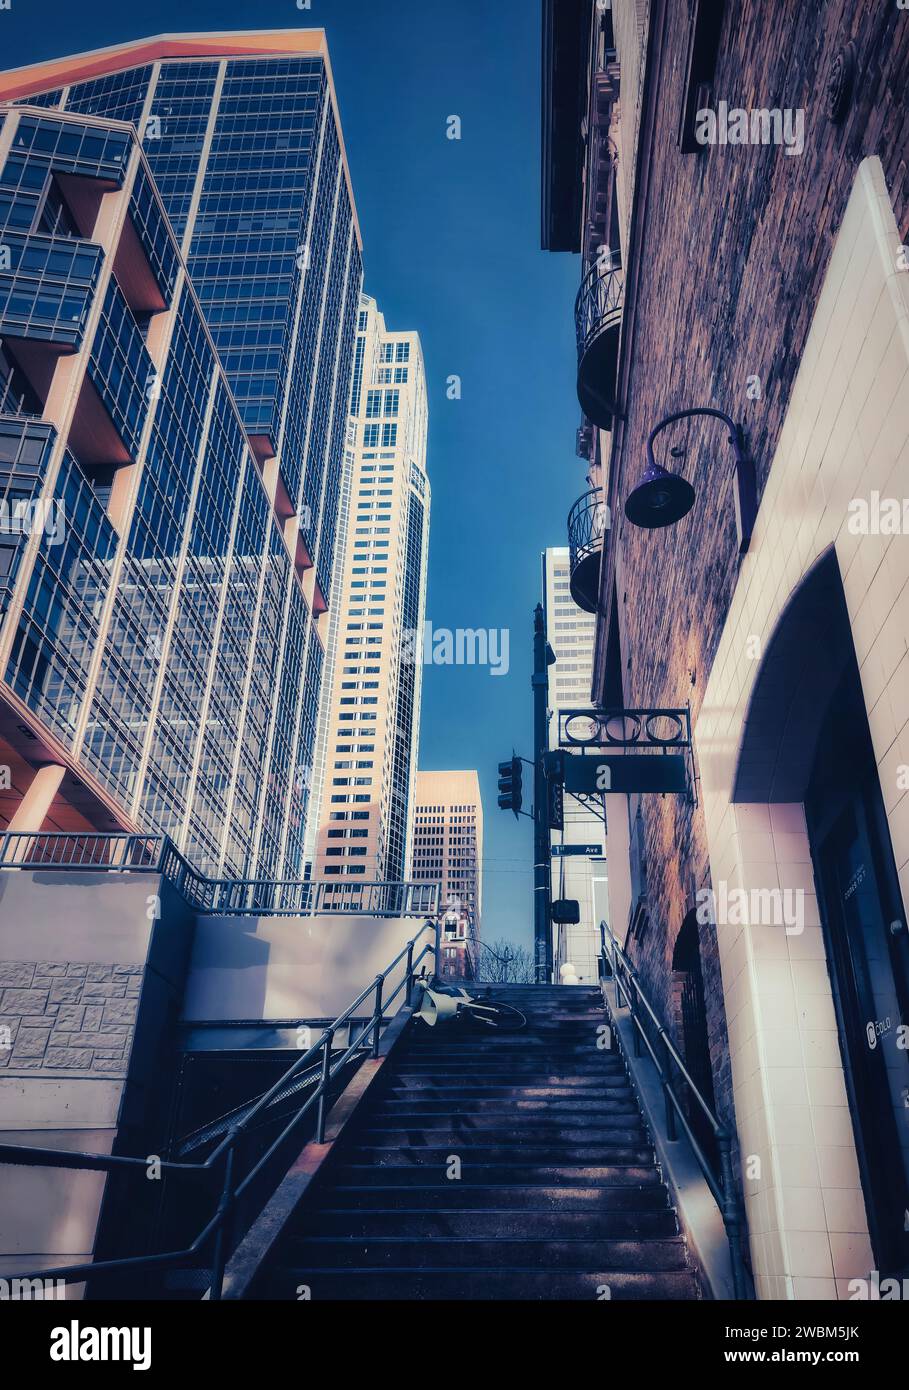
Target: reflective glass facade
{"points": [[170, 643]]}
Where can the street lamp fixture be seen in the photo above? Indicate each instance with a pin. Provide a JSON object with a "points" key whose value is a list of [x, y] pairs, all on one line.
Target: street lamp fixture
{"points": [[662, 498]]}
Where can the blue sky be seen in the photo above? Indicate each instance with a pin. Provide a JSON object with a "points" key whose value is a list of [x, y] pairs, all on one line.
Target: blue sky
{"points": [[451, 249]]}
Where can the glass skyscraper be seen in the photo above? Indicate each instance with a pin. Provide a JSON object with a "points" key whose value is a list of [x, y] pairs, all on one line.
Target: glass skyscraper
{"points": [[180, 273]]}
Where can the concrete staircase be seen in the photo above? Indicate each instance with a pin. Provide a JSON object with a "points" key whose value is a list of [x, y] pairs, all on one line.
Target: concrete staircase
{"points": [[558, 1196]]}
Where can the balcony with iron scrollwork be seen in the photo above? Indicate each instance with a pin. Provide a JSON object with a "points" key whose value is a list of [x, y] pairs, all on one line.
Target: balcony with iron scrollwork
{"points": [[598, 321], [588, 522]]}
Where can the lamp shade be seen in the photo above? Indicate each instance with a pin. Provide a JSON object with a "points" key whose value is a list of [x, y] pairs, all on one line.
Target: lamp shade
{"points": [[660, 499]]}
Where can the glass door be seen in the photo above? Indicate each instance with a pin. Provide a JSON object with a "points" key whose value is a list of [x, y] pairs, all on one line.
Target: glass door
{"points": [[868, 944]]}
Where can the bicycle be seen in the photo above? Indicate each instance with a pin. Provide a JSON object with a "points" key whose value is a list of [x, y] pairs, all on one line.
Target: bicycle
{"points": [[452, 1004]]}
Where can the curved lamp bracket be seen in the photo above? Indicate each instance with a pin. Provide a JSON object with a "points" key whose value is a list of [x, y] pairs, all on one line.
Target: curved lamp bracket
{"points": [[658, 481]]}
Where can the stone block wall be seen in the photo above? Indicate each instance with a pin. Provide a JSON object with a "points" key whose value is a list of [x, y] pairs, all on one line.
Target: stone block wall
{"points": [[73, 1017]]}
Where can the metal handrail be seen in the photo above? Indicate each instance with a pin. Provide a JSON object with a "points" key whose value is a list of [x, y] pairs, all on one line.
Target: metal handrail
{"points": [[292, 897], [218, 1229], [125, 852], [665, 1056], [599, 301], [68, 850]]}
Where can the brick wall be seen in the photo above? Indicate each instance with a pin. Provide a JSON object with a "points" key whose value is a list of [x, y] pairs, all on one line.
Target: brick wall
{"points": [[62, 1017], [733, 255]]}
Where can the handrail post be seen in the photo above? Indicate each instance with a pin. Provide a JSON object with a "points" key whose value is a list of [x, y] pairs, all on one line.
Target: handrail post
{"points": [[636, 1031], [671, 1131], [219, 1252], [408, 989], [732, 1213], [323, 1085], [377, 1033]]}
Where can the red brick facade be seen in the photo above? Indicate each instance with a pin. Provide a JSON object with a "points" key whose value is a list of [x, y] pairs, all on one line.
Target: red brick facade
{"points": [[729, 246]]}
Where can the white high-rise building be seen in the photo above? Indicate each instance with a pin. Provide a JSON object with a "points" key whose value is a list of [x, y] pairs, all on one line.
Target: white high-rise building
{"points": [[570, 632], [448, 848], [366, 762]]}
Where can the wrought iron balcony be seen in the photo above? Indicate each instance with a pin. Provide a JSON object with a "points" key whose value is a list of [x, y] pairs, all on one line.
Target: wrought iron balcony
{"points": [[598, 319], [588, 522]]}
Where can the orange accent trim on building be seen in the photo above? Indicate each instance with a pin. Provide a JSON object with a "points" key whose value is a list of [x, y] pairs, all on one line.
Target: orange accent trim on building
{"points": [[82, 67]]}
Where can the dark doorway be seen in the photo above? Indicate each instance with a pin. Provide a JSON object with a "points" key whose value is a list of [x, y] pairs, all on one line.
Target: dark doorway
{"points": [[868, 953], [807, 740], [688, 980]]}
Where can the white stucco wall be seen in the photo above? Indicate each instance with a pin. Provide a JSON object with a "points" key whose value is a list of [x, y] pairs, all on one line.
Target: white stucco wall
{"points": [[846, 433], [292, 967]]}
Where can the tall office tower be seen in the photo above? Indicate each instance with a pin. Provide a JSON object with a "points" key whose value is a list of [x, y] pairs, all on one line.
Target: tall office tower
{"points": [[372, 730], [448, 847], [571, 633], [183, 695]]}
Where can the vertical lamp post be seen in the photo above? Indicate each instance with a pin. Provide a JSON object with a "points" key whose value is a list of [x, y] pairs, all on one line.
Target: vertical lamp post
{"points": [[543, 657]]}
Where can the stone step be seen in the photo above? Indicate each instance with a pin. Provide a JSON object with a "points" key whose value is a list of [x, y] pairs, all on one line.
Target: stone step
{"points": [[492, 1221], [452, 1252], [403, 1174], [527, 1073], [539, 1198], [542, 1056], [541, 1150], [487, 1130], [611, 1102], [510, 1044], [477, 1285], [562, 1095]]}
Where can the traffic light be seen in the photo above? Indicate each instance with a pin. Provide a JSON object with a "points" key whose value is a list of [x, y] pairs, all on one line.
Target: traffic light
{"points": [[510, 791], [554, 767]]}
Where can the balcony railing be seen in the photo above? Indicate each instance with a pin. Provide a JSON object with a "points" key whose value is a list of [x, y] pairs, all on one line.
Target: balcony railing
{"points": [[598, 319], [588, 522], [125, 853]]}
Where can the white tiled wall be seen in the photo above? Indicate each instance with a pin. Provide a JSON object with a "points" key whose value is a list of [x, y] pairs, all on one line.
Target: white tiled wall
{"points": [[846, 433]]}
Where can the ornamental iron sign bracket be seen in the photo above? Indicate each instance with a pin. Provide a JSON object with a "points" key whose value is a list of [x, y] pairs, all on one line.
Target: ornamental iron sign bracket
{"points": [[622, 750]]}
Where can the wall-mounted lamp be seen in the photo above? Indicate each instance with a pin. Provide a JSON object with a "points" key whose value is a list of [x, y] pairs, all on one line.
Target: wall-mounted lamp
{"points": [[662, 498]]}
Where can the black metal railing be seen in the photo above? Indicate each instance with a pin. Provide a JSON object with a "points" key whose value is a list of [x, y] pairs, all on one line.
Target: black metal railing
{"points": [[129, 853], [62, 850], [220, 1234], [680, 1095], [306, 898], [588, 522], [599, 302]]}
